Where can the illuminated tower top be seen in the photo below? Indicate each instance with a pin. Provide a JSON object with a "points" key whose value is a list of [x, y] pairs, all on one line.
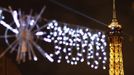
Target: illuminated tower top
{"points": [[114, 24]]}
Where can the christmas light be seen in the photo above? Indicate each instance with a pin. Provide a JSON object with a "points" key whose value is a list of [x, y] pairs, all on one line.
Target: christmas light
{"points": [[78, 44]]}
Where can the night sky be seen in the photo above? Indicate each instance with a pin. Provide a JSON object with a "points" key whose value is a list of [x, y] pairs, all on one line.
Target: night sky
{"points": [[98, 9]]}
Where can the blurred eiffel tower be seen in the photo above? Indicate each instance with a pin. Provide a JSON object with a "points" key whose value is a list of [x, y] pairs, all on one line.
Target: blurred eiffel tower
{"points": [[115, 45]]}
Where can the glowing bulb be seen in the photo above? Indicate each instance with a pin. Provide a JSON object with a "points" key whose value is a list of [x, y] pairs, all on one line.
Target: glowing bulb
{"points": [[55, 41], [104, 53], [75, 63], [88, 63], [96, 67], [82, 60], [64, 50], [55, 34], [57, 52], [51, 55], [104, 67], [68, 61], [59, 61], [97, 54], [35, 58], [103, 62], [72, 63], [103, 36], [100, 58], [77, 58], [69, 54], [73, 58], [55, 23], [105, 58], [79, 54], [92, 66], [47, 40], [66, 57], [32, 22], [96, 62], [40, 33]]}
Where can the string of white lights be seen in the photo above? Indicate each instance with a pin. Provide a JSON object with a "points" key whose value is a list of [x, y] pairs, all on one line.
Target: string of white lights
{"points": [[78, 44]]}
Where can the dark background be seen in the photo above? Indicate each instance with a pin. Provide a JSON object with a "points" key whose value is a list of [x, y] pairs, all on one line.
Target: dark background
{"points": [[98, 9]]}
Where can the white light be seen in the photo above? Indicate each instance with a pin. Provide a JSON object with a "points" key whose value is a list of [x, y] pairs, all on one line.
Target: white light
{"points": [[100, 58], [57, 52], [79, 54], [85, 36], [103, 62], [50, 24], [60, 57], [55, 34], [72, 63], [69, 54], [64, 50], [51, 55], [77, 58], [103, 36], [60, 42], [105, 44], [82, 60], [59, 61], [47, 40], [102, 40], [96, 62], [87, 29], [104, 67], [104, 53], [75, 63], [92, 56], [69, 49], [97, 47], [59, 38], [97, 54], [89, 34], [32, 22], [55, 41], [96, 67], [81, 31], [52, 38], [0, 11], [15, 17], [66, 57], [56, 47], [99, 33], [48, 57], [35, 58], [40, 33], [88, 57], [78, 48], [105, 58], [92, 66], [55, 28], [98, 39], [59, 48], [88, 63], [55, 23], [73, 58], [48, 27], [68, 61], [102, 47], [77, 45], [9, 27], [83, 50]]}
